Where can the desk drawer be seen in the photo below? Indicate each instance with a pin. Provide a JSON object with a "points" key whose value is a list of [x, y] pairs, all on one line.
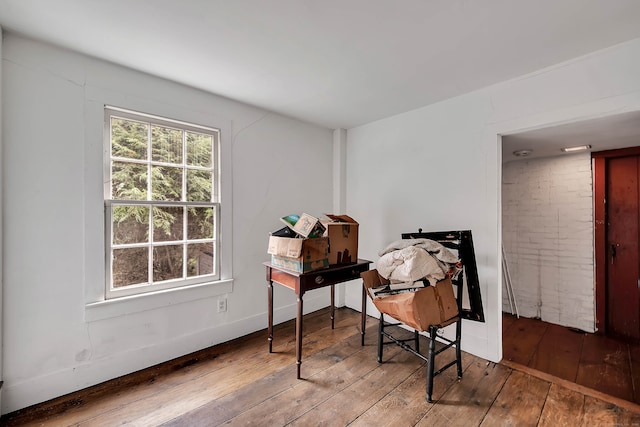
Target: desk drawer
{"points": [[321, 278]]}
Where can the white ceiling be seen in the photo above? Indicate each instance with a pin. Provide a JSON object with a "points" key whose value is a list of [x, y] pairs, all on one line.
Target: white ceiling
{"points": [[337, 63]]}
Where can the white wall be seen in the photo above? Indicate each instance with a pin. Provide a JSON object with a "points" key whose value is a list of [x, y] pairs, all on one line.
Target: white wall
{"points": [[53, 225], [439, 167], [1, 222], [547, 230]]}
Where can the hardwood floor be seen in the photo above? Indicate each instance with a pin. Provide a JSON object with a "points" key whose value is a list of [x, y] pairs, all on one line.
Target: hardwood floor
{"points": [[240, 383], [597, 362]]}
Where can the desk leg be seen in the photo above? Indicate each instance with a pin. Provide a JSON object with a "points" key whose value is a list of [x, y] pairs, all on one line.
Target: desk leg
{"points": [[270, 314], [363, 311], [333, 305], [299, 336]]}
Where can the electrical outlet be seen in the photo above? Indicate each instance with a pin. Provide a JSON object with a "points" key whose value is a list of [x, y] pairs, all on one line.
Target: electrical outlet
{"points": [[222, 305]]}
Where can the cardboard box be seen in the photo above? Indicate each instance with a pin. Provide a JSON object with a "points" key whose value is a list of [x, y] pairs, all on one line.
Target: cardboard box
{"points": [[301, 255], [342, 231], [432, 305], [304, 225]]}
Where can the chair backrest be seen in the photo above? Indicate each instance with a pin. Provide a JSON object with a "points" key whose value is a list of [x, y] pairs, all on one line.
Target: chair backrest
{"points": [[461, 241]]}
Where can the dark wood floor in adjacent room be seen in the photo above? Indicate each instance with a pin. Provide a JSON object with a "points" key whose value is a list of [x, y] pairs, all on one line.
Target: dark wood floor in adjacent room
{"points": [[240, 383], [594, 361]]}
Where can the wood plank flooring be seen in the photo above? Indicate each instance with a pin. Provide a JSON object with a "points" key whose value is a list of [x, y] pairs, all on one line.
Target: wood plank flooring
{"points": [[240, 383], [597, 362]]}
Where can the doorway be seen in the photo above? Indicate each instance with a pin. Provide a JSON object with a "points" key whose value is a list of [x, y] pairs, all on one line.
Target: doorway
{"points": [[607, 136], [565, 238], [617, 214]]}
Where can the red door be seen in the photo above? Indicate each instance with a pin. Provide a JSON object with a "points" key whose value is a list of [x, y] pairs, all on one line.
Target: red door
{"points": [[622, 218]]}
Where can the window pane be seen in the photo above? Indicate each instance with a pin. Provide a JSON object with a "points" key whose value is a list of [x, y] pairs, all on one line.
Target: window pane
{"points": [[130, 266], [130, 224], [129, 139], [199, 185], [168, 223], [166, 183], [128, 181], [162, 181], [199, 149], [166, 145], [167, 262], [200, 259], [200, 223]]}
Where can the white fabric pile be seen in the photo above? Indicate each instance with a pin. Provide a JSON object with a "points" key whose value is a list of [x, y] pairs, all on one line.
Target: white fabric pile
{"points": [[406, 261]]}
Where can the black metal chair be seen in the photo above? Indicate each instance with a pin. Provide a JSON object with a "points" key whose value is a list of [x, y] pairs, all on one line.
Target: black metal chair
{"points": [[460, 241], [413, 344]]}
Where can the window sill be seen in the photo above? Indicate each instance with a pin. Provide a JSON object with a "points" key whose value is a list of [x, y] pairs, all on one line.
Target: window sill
{"points": [[136, 303]]}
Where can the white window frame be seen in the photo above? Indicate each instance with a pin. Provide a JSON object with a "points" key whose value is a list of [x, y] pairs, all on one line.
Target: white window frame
{"points": [[112, 293]]}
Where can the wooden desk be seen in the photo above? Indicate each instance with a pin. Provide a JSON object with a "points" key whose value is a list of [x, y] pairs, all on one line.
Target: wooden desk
{"points": [[303, 282]]}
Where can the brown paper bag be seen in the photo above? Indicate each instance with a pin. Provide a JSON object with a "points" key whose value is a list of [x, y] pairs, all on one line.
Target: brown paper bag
{"points": [[432, 305]]}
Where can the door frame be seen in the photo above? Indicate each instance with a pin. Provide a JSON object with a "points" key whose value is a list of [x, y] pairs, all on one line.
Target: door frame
{"points": [[599, 220]]}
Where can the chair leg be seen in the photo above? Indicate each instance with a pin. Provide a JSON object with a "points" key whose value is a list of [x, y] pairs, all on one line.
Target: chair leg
{"points": [[416, 338], [380, 336], [431, 362], [458, 350]]}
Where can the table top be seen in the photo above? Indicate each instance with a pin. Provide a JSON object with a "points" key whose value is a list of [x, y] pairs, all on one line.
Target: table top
{"points": [[331, 268]]}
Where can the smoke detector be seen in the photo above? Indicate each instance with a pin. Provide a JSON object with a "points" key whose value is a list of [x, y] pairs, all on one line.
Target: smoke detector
{"points": [[522, 153]]}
